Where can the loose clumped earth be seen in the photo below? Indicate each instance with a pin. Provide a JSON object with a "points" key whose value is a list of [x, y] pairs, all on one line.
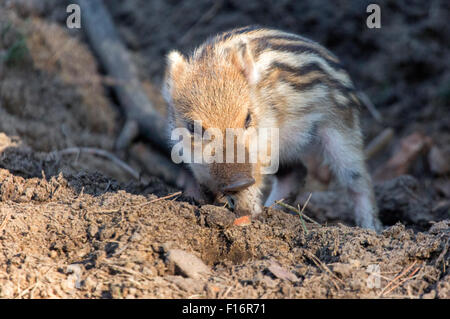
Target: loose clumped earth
{"points": [[62, 239], [77, 226]]}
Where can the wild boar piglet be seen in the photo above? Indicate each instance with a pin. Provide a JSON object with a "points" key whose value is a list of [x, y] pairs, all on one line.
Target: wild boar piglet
{"points": [[252, 78]]}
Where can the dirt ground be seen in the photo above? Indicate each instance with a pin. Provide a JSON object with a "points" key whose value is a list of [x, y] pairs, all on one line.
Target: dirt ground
{"points": [[78, 226]]}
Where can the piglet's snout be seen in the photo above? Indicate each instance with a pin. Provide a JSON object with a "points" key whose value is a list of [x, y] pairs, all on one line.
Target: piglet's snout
{"points": [[237, 184]]}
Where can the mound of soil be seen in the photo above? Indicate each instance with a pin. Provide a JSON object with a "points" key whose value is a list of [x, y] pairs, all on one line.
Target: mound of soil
{"points": [[84, 236]]}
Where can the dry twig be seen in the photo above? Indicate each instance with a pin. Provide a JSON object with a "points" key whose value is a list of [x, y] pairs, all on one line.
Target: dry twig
{"points": [[370, 106], [5, 220], [324, 267], [411, 276], [112, 210], [300, 212], [403, 273], [116, 59], [159, 198], [99, 152], [379, 142], [441, 255]]}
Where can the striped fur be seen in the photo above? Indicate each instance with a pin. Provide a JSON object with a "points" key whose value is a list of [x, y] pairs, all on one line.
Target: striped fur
{"points": [[283, 80]]}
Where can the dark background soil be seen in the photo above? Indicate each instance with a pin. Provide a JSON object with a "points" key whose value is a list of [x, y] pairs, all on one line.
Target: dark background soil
{"points": [[79, 226]]}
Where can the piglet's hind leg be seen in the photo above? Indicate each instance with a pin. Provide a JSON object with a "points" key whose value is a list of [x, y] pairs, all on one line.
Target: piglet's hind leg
{"points": [[343, 153]]}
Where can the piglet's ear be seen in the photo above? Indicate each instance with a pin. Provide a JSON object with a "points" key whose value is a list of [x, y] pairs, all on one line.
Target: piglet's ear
{"points": [[175, 62], [243, 58]]}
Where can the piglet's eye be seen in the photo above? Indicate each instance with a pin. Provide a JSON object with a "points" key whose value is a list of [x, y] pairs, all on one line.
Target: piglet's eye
{"points": [[190, 127], [248, 120]]}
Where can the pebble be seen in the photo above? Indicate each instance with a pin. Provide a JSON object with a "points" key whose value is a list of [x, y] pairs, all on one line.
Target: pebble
{"points": [[7, 290], [282, 273], [187, 264]]}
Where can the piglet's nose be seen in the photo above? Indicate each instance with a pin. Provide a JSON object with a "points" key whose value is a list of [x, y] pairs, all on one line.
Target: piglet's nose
{"points": [[238, 184]]}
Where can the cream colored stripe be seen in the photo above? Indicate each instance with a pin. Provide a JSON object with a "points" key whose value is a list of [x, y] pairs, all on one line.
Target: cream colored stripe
{"points": [[266, 58]]}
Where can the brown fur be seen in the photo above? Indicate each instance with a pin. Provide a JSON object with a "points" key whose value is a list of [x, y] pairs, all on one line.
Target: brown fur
{"points": [[281, 80]]}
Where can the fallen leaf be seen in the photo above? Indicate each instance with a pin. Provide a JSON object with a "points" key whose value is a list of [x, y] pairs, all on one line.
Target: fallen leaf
{"points": [[410, 148]]}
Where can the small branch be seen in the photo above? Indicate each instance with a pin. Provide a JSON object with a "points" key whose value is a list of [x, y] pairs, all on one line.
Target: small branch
{"points": [[301, 213], [403, 273], [129, 132], [156, 164], [113, 210], [292, 208], [411, 276], [125, 270], [114, 56], [379, 142], [159, 199], [370, 106], [5, 221], [99, 152], [442, 254], [227, 292], [324, 267]]}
